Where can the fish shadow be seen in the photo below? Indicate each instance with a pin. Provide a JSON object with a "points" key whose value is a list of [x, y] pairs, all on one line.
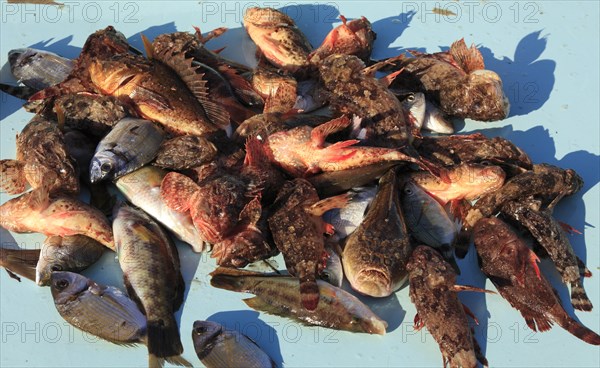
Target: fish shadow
{"points": [[315, 20], [388, 308], [248, 323], [135, 40], [388, 31], [527, 80]]}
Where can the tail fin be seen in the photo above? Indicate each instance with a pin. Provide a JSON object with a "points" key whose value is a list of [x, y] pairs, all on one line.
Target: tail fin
{"points": [[575, 328], [164, 342], [579, 298], [309, 293]]}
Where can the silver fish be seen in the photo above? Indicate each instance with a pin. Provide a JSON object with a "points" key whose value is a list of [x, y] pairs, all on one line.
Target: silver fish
{"points": [[38, 69], [415, 103], [333, 272], [102, 311], [434, 120], [131, 144], [346, 220], [70, 253], [219, 347], [142, 188]]}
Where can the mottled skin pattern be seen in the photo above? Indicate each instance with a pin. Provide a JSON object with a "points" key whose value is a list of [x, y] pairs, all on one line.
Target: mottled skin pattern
{"points": [[431, 290], [150, 265], [278, 38], [376, 253], [156, 92], [354, 93], [355, 37], [552, 238], [507, 262], [185, 152], [546, 182]]}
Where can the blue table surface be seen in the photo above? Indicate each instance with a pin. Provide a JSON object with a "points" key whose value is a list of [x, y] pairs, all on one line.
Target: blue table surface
{"points": [[547, 55]]}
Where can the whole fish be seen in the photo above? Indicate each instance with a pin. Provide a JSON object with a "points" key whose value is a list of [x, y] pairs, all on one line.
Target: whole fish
{"points": [[346, 219], [376, 253], [142, 188], [457, 81], [355, 37], [277, 37], [70, 253], [185, 152], [217, 346], [552, 238], [464, 181], [428, 221], [156, 91], [297, 228], [333, 272], [131, 144], [434, 294], [41, 156], [150, 265], [303, 151], [35, 211], [280, 295], [100, 310], [353, 92], [512, 267], [38, 69], [19, 262]]}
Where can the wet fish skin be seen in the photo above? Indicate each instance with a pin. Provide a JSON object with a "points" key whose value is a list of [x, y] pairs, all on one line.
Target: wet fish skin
{"points": [[38, 69], [102, 311], [336, 182], [152, 277], [346, 220], [185, 152], [435, 121], [376, 253], [142, 189], [217, 346], [431, 282], [131, 144], [280, 295], [70, 253], [19, 262], [415, 104], [355, 37], [552, 238], [333, 272], [512, 268]]}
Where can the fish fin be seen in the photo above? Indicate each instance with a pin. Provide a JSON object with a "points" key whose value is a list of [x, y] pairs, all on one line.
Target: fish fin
{"points": [[534, 260], [60, 117], [39, 199], [470, 313], [178, 360], [21, 92], [337, 151], [579, 298], [148, 47], [241, 86], [418, 323], [328, 228], [176, 191], [388, 79], [255, 153], [459, 288], [583, 270], [12, 275], [469, 59], [12, 176], [148, 97], [319, 133], [251, 212], [163, 338], [537, 321], [575, 328], [257, 303], [324, 205], [309, 292], [155, 362], [568, 228]]}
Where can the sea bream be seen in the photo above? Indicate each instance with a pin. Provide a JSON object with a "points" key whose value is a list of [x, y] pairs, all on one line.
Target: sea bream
{"points": [[38, 69]]}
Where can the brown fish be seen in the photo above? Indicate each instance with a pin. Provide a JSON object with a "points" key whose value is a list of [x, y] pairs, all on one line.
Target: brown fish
{"points": [[185, 152], [41, 152], [511, 266], [19, 262], [355, 37], [376, 253], [434, 294], [297, 229]]}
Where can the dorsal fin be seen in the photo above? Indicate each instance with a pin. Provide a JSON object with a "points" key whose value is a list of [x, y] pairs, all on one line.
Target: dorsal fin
{"points": [[469, 59]]}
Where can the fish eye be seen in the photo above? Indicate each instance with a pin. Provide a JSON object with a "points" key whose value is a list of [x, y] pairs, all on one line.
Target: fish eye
{"points": [[61, 284], [106, 167], [408, 191], [410, 98], [56, 267], [200, 330]]}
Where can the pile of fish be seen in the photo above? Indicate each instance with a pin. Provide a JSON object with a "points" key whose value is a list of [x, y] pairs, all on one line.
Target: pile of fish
{"points": [[309, 155]]}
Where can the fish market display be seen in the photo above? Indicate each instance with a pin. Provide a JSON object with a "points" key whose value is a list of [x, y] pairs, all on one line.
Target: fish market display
{"points": [[338, 171]]}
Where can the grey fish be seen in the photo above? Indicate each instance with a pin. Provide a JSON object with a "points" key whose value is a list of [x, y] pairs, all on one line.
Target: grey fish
{"points": [[333, 272], [131, 144], [220, 347], [434, 120], [151, 274], [414, 102], [70, 253], [100, 310], [345, 220], [142, 188], [19, 262], [38, 69]]}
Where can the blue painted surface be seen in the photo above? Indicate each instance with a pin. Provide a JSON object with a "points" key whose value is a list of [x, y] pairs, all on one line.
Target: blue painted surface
{"points": [[546, 52]]}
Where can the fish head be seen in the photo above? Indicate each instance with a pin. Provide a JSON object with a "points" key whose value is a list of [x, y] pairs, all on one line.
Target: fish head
{"points": [[430, 264], [18, 58], [414, 102], [373, 281], [66, 286], [497, 243], [352, 38], [372, 325], [266, 17], [104, 165], [51, 260], [105, 43], [573, 181], [485, 98], [204, 334]]}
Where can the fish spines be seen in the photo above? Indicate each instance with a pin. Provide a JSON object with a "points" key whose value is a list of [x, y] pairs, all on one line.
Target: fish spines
{"points": [[579, 298]]}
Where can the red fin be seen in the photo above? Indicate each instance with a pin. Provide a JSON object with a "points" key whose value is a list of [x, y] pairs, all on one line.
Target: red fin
{"points": [[328, 228], [533, 259], [176, 191], [324, 205], [255, 153], [459, 288], [388, 79], [568, 228], [309, 294], [470, 314], [12, 176], [338, 152], [418, 323], [319, 133], [469, 59]]}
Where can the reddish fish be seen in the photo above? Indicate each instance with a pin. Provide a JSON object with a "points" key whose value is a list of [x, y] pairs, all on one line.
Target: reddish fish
{"points": [[355, 37]]}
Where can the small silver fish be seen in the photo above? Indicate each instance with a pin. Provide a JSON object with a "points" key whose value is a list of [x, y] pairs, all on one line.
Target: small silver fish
{"points": [[131, 144], [434, 120], [219, 347], [38, 69], [333, 272], [102, 311], [415, 103], [346, 220]]}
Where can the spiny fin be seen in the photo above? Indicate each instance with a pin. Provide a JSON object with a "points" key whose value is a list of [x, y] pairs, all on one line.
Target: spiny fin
{"points": [[148, 47], [324, 205], [579, 298], [568, 228], [176, 191], [255, 153], [470, 313], [338, 151], [319, 133], [60, 117], [459, 288], [583, 270], [12, 176], [537, 322], [469, 59], [388, 79]]}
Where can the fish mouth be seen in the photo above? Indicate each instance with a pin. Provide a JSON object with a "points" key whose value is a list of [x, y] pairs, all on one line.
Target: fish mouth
{"points": [[375, 326], [372, 282], [42, 278], [14, 55]]}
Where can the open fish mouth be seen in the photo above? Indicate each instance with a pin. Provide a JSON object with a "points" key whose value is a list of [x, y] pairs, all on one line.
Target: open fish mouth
{"points": [[373, 282]]}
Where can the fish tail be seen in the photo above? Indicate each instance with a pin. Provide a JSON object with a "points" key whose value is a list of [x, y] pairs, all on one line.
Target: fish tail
{"points": [[12, 176], [309, 293], [579, 298], [583, 270], [163, 339], [575, 328]]}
